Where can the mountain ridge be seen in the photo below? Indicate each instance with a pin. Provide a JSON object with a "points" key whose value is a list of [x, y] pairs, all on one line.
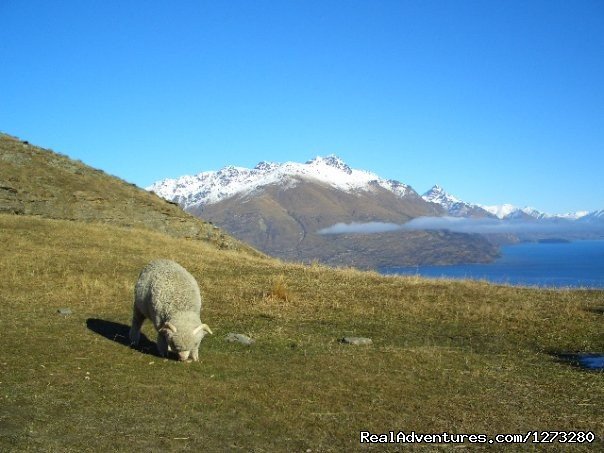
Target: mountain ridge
{"points": [[214, 186], [282, 210], [208, 187], [453, 205], [458, 208]]}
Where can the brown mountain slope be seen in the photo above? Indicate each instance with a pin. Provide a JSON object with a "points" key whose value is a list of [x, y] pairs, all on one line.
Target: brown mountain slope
{"points": [[284, 222], [278, 217], [36, 181]]}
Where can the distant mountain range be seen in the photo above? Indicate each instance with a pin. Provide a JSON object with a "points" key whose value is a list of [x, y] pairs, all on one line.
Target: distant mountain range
{"points": [[211, 187], [458, 208], [214, 186], [285, 210], [324, 210]]}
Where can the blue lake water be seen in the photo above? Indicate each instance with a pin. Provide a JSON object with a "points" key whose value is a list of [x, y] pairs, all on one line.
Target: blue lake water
{"points": [[559, 265]]}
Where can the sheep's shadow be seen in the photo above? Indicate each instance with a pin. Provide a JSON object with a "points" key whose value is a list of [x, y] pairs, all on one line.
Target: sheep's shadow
{"points": [[119, 333]]}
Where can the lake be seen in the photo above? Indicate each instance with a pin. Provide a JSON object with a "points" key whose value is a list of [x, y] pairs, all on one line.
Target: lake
{"points": [[559, 265]]}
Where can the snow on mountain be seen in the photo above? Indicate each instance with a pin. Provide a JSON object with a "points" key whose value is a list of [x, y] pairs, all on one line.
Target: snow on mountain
{"points": [[214, 186], [576, 215], [454, 206], [594, 216], [458, 208], [511, 212], [438, 195], [527, 213], [500, 211]]}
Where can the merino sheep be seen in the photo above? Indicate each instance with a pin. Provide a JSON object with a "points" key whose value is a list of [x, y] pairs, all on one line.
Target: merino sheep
{"points": [[169, 296]]}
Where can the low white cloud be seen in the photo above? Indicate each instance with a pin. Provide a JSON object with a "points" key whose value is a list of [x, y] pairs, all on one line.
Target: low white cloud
{"points": [[494, 226], [469, 225], [361, 228]]}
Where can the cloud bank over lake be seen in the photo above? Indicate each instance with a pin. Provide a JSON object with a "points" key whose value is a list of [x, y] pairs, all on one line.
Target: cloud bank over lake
{"points": [[361, 228], [470, 225], [496, 226]]}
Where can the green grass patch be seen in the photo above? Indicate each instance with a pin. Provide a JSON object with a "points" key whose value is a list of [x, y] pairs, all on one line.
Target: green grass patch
{"points": [[461, 357]]}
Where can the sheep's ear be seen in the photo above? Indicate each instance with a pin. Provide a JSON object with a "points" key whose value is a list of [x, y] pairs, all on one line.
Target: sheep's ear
{"points": [[197, 329]]}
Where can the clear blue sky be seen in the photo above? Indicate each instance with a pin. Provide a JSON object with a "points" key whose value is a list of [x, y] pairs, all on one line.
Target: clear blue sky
{"points": [[497, 101]]}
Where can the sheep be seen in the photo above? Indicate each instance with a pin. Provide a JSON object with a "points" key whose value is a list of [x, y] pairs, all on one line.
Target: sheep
{"points": [[169, 296]]}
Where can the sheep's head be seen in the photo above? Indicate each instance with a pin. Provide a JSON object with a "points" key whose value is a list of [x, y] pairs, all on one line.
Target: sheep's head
{"points": [[183, 341]]}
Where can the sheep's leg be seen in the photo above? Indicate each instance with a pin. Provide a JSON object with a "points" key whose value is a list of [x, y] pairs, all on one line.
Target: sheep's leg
{"points": [[195, 354], [137, 322], [162, 345]]}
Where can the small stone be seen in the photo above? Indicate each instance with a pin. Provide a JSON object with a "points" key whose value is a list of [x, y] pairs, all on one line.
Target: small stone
{"points": [[357, 341], [239, 338], [64, 311]]}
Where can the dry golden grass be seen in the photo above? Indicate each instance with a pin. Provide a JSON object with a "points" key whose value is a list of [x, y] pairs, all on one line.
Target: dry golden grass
{"points": [[39, 182], [279, 291], [461, 357]]}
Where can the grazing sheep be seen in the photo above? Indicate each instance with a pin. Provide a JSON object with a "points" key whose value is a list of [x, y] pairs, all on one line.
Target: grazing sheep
{"points": [[169, 296]]}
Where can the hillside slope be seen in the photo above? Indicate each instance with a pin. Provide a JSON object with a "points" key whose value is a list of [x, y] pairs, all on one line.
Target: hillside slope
{"points": [[455, 357], [36, 181]]}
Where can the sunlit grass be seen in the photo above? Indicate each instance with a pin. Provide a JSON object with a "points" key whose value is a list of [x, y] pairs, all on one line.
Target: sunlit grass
{"points": [[462, 357]]}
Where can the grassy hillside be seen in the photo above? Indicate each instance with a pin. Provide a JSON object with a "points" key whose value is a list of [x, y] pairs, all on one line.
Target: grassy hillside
{"points": [[460, 357], [36, 181]]}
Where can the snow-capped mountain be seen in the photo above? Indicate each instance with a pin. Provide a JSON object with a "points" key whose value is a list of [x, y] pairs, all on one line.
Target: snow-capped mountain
{"points": [[594, 216], [452, 205], [214, 186], [511, 212], [458, 208], [576, 215], [501, 211], [282, 209], [211, 187]]}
